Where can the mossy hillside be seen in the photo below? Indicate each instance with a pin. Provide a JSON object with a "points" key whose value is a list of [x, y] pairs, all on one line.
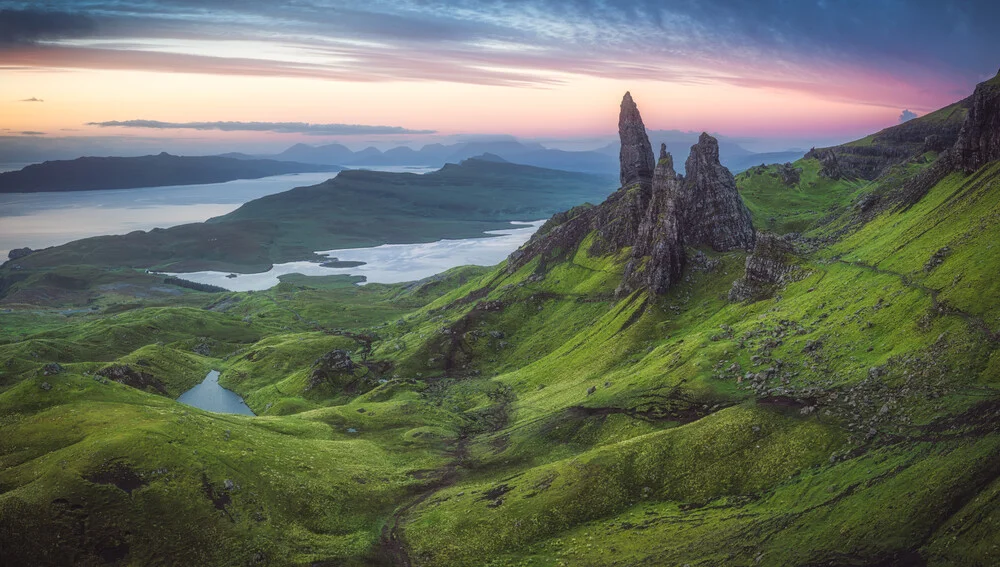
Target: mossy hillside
{"points": [[945, 242], [300, 491], [780, 208], [278, 368], [878, 503], [846, 419], [694, 463], [829, 315]]}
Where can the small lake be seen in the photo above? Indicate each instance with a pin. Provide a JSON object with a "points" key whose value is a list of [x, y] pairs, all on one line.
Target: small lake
{"points": [[210, 396], [38, 220], [389, 263]]}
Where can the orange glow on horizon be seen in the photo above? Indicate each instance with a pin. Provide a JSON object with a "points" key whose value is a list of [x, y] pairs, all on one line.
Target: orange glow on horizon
{"points": [[579, 106]]}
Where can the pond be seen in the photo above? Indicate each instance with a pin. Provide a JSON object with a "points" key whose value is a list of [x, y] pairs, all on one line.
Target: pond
{"points": [[209, 395]]}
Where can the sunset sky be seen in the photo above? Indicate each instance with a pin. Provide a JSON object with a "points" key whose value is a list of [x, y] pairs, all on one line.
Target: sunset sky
{"points": [[417, 70]]}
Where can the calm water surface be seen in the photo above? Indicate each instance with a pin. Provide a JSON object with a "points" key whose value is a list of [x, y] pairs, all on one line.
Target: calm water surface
{"points": [[38, 220], [209, 395], [389, 263]]}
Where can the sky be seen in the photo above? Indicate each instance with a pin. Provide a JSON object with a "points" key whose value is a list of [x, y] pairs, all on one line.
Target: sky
{"points": [[260, 75]]}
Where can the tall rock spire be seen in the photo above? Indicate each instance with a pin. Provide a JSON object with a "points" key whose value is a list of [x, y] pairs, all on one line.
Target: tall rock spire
{"points": [[712, 210], [658, 257], [636, 153], [655, 213]]}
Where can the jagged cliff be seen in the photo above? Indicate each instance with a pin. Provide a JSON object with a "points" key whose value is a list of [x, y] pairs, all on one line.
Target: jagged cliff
{"points": [[874, 155], [656, 212], [976, 144], [979, 141]]}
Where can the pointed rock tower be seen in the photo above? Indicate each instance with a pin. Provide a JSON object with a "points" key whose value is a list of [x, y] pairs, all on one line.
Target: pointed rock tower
{"points": [[658, 258], [713, 212], [636, 155], [655, 213]]}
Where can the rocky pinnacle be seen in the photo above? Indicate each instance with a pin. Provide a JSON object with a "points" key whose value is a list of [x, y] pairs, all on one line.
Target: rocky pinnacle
{"points": [[713, 212], [636, 153], [656, 213]]}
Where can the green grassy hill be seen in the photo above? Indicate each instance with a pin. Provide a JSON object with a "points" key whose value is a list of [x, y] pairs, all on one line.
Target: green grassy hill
{"points": [[532, 416]]}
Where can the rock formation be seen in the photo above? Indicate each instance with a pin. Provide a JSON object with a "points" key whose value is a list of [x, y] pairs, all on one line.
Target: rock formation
{"points": [[18, 253], [712, 210], [979, 141], [656, 213], [658, 253], [766, 268], [636, 154]]}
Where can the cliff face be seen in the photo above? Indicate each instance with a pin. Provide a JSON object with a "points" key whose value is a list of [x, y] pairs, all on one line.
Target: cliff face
{"points": [[873, 156], [979, 141], [656, 212]]}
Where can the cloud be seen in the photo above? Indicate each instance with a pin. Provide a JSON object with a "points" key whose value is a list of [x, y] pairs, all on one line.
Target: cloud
{"points": [[32, 99], [280, 127], [936, 50], [31, 26], [906, 116], [32, 133]]}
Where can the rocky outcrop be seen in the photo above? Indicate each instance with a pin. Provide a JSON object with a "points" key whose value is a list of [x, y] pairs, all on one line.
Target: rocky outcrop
{"points": [[979, 141], [332, 364], [656, 213], [636, 153], [829, 166], [658, 254], [18, 253], [767, 268], [713, 214], [125, 374], [790, 175]]}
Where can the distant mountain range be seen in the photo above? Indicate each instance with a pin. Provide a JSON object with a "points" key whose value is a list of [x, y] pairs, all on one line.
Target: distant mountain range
{"points": [[92, 173], [603, 160]]}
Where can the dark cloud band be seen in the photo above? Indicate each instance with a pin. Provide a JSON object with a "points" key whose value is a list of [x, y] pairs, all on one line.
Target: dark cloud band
{"points": [[280, 127]]}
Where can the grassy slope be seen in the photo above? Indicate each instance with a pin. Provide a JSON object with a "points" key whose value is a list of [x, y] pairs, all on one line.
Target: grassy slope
{"points": [[543, 421]]}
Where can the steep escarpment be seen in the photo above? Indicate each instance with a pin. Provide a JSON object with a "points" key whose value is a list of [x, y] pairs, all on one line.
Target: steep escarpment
{"points": [[976, 145], [874, 155], [656, 212], [979, 141]]}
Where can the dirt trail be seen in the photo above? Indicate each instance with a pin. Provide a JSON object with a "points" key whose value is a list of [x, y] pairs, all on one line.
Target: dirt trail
{"points": [[392, 549], [941, 308]]}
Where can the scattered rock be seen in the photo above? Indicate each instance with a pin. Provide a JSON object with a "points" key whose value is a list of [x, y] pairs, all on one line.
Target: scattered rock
{"points": [[45, 386], [937, 258], [51, 369]]}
